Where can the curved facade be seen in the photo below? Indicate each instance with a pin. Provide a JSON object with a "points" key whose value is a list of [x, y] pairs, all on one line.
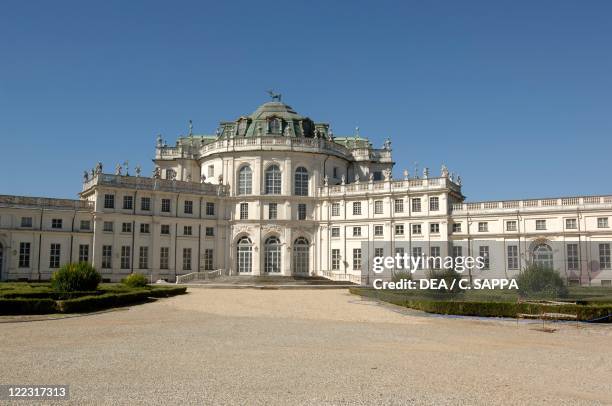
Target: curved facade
{"points": [[277, 193]]}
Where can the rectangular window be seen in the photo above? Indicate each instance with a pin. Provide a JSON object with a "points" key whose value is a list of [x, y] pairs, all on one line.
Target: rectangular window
{"points": [[335, 259], [513, 257], [164, 257], [434, 203], [210, 231], [456, 227], [126, 227], [378, 176], [356, 208], [572, 257], [128, 202], [54, 255], [109, 201], [26, 222], [208, 259], [108, 226], [145, 203], [244, 211], [511, 225], [272, 211], [436, 262], [378, 231], [165, 206], [186, 259], [457, 251], [126, 253], [335, 210], [335, 232], [604, 256], [416, 229], [187, 230], [483, 226], [483, 251], [400, 251], [356, 231], [399, 229], [416, 205], [602, 222], [378, 207], [210, 209], [165, 229], [24, 255], [434, 228], [143, 258], [56, 223], [211, 171], [417, 252], [301, 211], [379, 252], [188, 209], [571, 224], [356, 259], [85, 225], [107, 255], [83, 252], [540, 224], [335, 174], [399, 205], [145, 228]]}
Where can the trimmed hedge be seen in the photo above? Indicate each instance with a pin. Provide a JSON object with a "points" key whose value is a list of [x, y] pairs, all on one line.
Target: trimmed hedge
{"points": [[27, 306], [490, 309]]}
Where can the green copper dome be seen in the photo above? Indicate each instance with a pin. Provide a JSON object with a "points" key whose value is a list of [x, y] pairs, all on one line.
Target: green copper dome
{"points": [[275, 109]]}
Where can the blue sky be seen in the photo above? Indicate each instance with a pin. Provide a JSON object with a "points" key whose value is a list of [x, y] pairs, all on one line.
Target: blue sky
{"points": [[515, 96]]}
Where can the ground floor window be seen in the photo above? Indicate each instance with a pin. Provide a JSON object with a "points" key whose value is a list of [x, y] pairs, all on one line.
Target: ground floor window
{"points": [[272, 252], [604, 256], [208, 259], [543, 256], [126, 253], [301, 251], [54, 256], [84, 253], [164, 257], [513, 257], [244, 255], [186, 259], [143, 258], [572, 257], [107, 255], [357, 259], [335, 259]]}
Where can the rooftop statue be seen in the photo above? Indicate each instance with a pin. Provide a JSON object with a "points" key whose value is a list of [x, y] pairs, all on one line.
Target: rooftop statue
{"points": [[425, 173], [326, 180], [406, 174], [160, 142], [156, 173], [274, 96], [118, 169], [387, 144], [387, 174], [138, 170], [444, 171], [85, 176], [99, 168]]}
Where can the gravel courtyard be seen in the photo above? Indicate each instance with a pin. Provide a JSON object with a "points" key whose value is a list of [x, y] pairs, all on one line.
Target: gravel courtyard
{"points": [[248, 346]]}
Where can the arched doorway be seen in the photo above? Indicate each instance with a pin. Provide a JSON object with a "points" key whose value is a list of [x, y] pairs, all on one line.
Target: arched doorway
{"points": [[301, 256], [543, 256], [244, 255], [272, 255]]}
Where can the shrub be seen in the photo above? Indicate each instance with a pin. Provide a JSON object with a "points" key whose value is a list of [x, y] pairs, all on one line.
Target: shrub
{"points": [[449, 275], [135, 280], [75, 277], [542, 282], [398, 276], [26, 306]]}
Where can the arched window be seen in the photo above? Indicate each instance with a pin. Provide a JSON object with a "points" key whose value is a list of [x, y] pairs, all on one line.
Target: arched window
{"points": [[543, 256], [244, 250], [301, 181], [272, 252], [273, 180], [301, 249], [245, 180], [275, 126]]}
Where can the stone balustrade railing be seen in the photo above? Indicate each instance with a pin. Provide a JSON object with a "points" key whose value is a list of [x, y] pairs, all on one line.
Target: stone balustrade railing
{"points": [[144, 183], [44, 202], [513, 205], [407, 185], [321, 145]]}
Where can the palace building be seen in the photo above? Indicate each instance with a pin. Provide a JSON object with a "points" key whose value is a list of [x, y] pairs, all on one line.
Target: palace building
{"points": [[276, 193]]}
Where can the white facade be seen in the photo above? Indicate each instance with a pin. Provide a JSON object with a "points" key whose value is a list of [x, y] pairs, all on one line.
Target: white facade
{"points": [[275, 193]]}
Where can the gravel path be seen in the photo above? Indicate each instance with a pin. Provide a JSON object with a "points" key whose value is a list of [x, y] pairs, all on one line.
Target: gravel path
{"points": [[304, 347]]}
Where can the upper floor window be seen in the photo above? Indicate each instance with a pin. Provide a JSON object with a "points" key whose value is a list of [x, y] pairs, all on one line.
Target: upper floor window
{"points": [[483, 226], [378, 207], [188, 207], [85, 225], [26, 222], [245, 180], [511, 225], [416, 204], [399, 205], [165, 206], [210, 208], [571, 224], [378, 231], [272, 211], [356, 208], [540, 224], [165, 229], [273, 180], [107, 226], [335, 172], [301, 181], [211, 171], [335, 209], [301, 211], [602, 222], [456, 227], [187, 230], [145, 203], [356, 231], [275, 126], [434, 228], [109, 201], [56, 223], [128, 202], [377, 176], [244, 211], [434, 203]]}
